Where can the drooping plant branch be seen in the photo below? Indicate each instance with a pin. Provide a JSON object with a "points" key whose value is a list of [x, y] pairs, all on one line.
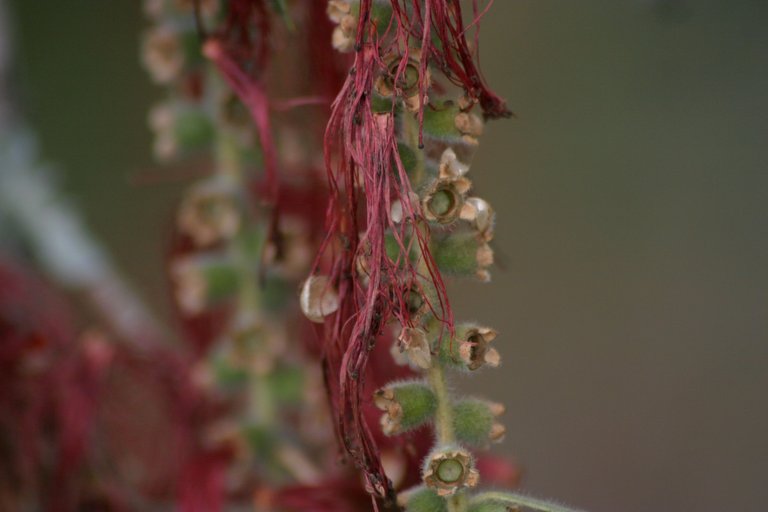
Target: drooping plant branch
{"points": [[375, 184], [398, 147]]}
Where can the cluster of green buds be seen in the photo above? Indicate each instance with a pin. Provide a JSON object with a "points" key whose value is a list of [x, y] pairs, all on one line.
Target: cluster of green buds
{"points": [[232, 261]]}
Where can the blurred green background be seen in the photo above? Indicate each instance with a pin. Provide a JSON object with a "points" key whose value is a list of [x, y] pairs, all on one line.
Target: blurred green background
{"points": [[633, 228]]}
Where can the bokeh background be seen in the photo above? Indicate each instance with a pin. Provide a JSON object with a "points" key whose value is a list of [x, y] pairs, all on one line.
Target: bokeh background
{"points": [[631, 193]]}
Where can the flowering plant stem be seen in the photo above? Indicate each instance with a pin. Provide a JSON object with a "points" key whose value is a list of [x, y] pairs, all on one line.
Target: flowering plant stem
{"points": [[521, 500]]}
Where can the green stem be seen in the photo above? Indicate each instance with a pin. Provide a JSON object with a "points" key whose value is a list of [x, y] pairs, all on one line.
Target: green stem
{"points": [[444, 426], [444, 415], [520, 500]]}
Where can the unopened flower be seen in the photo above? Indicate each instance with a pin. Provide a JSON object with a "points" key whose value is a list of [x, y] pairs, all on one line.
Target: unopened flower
{"points": [[210, 212], [447, 470], [407, 406], [462, 252], [480, 215], [474, 346], [318, 298], [475, 421], [163, 54], [414, 344], [421, 499]]}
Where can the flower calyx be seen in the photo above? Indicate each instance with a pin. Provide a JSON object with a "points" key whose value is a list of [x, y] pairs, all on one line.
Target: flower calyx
{"points": [[407, 405], [474, 347], [450, 469]]}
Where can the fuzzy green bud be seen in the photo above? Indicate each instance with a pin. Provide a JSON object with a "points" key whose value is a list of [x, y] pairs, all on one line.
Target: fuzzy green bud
{"points": [[407, 405], [462, 253], [474, 421], [448, 469], [440, 122], [421, 499], [470, 349]]}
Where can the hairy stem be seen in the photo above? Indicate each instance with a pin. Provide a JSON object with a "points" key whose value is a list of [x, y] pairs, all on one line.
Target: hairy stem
{"points": [[520, 500], [444, 416]]}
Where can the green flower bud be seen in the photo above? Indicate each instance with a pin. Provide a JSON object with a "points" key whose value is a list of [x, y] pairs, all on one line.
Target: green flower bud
{"points": [[421, 499], [470, 349], [440, 121], [407, 405], [474, 421], [462, 253]]}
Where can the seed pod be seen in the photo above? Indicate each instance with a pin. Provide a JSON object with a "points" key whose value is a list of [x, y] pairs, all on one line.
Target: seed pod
{"points": [[470, 349], [408, 405], [474, 421], [421, 499], [462, 253], [413, 342], [318, 298], [441, 135], [449, 469]]}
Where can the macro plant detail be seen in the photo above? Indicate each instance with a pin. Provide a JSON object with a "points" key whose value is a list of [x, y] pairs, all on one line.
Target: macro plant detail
{"points": [[331, 145]]}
